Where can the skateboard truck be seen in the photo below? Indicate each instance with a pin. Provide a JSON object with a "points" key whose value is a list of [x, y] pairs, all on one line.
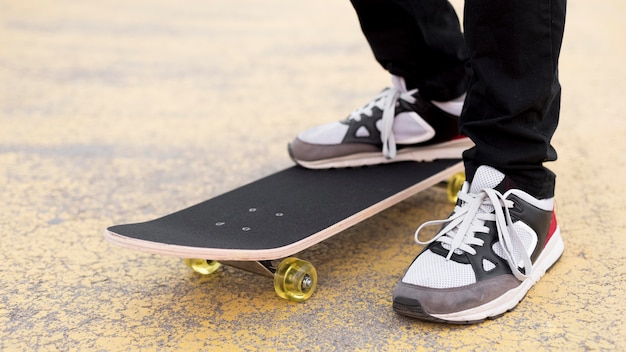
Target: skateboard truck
{"points": [[294, 279]]}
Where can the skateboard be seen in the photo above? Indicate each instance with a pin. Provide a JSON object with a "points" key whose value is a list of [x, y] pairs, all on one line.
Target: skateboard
{"points": [[258, 227]]}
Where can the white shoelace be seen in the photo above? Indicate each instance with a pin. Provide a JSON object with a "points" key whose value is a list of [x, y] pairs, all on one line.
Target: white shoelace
{"points": [[469, 218], [386, 101]]}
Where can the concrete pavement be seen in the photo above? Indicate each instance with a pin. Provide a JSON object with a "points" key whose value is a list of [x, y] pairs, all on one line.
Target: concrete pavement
{"points": [[115, 111]]}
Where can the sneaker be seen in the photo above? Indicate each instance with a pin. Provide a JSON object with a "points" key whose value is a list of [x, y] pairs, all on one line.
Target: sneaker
{"points": [[496, 244], [397, 125]]}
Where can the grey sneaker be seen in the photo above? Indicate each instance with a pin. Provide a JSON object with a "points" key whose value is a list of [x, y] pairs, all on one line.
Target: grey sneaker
{"points": [[397, 125], [493, 248]]}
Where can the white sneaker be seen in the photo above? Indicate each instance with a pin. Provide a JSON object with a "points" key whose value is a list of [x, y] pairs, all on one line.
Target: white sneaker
{"points": [[397, 125], [488, 254]]}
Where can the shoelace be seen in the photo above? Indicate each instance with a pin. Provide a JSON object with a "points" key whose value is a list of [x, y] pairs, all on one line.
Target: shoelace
{"points": [[469, 218], [386, 101]]}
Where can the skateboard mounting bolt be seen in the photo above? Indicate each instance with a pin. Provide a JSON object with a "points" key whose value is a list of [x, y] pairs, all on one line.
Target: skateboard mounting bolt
{"points": [[245, 229], [279, 214], [220, 223], [252, 210]]}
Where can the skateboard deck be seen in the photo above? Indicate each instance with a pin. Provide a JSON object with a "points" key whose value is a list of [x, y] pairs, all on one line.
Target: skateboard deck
{"points": [[280, 215]]}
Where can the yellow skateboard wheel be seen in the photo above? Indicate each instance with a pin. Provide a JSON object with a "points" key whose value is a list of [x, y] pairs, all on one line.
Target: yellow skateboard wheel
{"points": [[455, 183], [202, 266], [295, 279]]}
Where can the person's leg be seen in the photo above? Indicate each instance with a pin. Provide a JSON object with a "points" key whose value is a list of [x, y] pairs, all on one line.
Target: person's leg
{"points": [[503, 234], [421, 45], [512, 108], [420, 41]]}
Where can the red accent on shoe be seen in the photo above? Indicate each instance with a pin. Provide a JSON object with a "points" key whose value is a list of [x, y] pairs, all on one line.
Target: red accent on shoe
{"points": [[552, 227]]}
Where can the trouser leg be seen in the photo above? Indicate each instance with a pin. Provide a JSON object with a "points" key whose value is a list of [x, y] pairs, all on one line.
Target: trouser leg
{"points": [[512, 107], [420, 41]]}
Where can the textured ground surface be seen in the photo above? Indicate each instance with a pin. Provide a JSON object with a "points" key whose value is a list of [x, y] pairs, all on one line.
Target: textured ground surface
{"points": [[117, 111]]}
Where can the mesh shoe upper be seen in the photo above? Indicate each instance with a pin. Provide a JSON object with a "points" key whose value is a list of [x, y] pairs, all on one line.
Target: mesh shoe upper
{"points": [[388, 119], [481, 224]]}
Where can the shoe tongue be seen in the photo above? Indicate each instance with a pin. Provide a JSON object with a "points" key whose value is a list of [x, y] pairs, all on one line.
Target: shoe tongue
{"points": [[488, 177], [399, 83]]}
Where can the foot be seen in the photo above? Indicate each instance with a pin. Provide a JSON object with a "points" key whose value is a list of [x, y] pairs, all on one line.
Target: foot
{"points": [[397, 125], [496, 244]]}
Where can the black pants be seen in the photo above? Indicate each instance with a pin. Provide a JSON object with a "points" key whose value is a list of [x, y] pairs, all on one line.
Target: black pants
{"points": [[506, 62]]}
